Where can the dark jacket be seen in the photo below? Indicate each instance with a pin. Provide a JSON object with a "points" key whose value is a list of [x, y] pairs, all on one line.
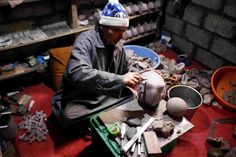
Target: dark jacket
{"points": [[93, 70]]}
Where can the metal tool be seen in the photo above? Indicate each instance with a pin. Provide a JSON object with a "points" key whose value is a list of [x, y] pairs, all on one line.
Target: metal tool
{"points": [[139, 142], [30, 107], [122, 134], [127, 146]]}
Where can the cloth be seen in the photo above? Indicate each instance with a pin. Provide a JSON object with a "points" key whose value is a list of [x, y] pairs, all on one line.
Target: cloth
{"points": [[89, 75], [114, 14]]}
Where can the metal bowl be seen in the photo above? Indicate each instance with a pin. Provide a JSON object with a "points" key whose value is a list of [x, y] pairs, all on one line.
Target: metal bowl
{"points": [[190, 95]]}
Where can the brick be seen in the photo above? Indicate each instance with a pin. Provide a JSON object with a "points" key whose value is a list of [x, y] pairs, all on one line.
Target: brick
{"points": [[193, 15], [208, 59], [230, 8], [224, 48], [198, 36], [216, 5], [212, 21], [174, 25], [227, 28], [170, 8], [182, 44]]}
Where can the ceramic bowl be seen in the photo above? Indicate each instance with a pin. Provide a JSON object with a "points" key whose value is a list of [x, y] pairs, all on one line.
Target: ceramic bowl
{"points": [[224, 80]]}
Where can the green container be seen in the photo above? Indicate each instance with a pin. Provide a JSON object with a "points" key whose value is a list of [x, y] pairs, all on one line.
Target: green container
{"points": [[100, 132]]}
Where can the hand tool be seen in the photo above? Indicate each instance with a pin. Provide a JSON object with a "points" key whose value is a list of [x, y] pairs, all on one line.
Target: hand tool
{"points": [[127, 146], [122, 132], [30, 107], [139, 142]]}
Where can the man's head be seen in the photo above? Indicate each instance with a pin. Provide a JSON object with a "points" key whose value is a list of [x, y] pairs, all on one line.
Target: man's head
{"points": [[114, 22]]}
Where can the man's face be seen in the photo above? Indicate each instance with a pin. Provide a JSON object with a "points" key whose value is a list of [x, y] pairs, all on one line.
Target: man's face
{"points": [[112, 34]]}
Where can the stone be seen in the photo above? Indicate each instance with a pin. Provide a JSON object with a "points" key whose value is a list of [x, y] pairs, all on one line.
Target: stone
{"points": [[231, 153], [133, 122], [214, 152], [176, 106], [130, 132]]}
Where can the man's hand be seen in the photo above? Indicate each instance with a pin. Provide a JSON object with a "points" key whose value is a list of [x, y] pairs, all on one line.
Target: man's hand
{"points": [[132, 78]]}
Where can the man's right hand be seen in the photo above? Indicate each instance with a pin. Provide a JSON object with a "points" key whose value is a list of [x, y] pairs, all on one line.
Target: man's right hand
{"points": [[132, 78]]}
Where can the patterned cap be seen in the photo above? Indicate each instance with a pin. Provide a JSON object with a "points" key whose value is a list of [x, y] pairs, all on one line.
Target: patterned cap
{"points": [[114, 14]]}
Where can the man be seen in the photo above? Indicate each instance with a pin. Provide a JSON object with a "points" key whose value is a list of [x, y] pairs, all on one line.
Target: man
{"points": [[97, 69]]}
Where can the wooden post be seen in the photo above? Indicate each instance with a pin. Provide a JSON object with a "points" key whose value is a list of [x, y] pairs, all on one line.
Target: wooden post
{"points": [[74, 14]]}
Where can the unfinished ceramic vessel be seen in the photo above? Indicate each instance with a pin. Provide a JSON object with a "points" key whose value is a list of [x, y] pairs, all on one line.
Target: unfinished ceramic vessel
{"points": [[176, 106], [150, 90]]}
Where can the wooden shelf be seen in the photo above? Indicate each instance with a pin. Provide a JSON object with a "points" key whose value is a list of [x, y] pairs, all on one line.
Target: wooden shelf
{"points": [[139, 37], [5, 2], [72, 31], [139, 15], [21, 69], [78, 29]]}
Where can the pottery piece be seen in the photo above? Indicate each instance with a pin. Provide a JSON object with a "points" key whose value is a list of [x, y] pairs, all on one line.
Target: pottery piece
{"points": [[150, 6], [151, 89], [176, 106], [140, 29], [142, 7], [127, 34], [134, 32], [134, 9], [128, 10]]}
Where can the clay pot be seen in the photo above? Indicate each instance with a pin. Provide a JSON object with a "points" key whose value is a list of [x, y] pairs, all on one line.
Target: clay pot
{"points": [[150, 6], [127, 34], [150, 90], [128, 10], [134, 9], [140, 29], [142, 7], [134, 32], [157, 4], [153, 26], [176, 106]]}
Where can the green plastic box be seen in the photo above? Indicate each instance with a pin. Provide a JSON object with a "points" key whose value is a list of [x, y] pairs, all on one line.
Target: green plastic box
{"points": [[100, 132]]}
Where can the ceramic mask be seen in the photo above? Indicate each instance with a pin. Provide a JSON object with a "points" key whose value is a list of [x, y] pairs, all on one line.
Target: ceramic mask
{"points": [[151, 89]]}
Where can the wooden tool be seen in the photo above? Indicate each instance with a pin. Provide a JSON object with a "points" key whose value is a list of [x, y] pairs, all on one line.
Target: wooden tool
{"points": [[152, 144]]}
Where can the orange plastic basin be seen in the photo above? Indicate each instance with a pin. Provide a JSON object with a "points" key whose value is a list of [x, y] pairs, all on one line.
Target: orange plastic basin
{"points": [[221, 81]]}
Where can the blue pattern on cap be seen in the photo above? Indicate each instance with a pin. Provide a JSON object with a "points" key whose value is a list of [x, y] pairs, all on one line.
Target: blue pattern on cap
{"points": [[114, 10]]}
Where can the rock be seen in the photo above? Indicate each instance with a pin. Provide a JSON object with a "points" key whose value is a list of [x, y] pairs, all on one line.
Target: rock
{"points": [[207, 99], [176, 106], [133, 122], [130, 132], [214, 152], [231, 153], [215, 142], [163, 129], [225, 147]]}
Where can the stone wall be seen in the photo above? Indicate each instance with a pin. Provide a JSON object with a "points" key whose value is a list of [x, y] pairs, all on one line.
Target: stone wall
{"points": [[207, 31]]}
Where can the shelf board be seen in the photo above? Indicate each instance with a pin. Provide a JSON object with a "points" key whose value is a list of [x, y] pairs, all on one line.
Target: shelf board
{"points": [[5, 2], [21, 69], [139, 37], [72, 31], [139, 15]]}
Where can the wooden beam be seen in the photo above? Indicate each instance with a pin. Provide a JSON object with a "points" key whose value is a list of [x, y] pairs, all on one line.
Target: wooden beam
{"points": [[74, 14]]}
